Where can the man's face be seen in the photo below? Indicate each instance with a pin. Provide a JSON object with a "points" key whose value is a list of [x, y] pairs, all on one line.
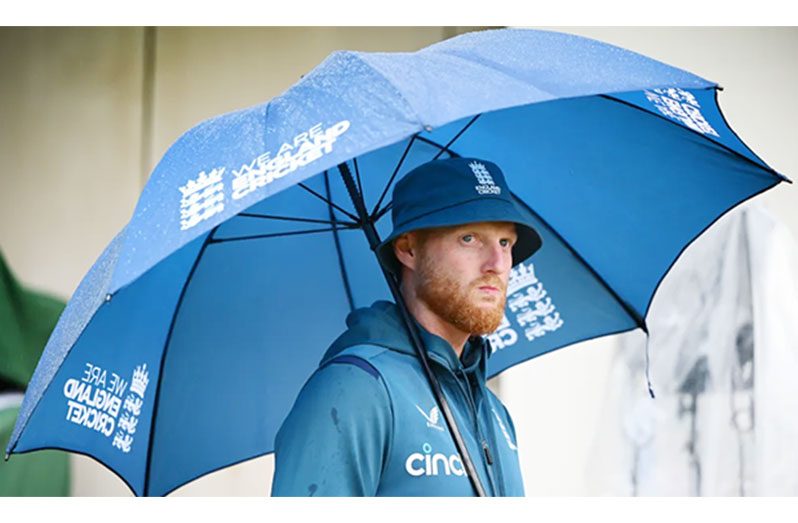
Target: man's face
{"points": [[462, 273]]}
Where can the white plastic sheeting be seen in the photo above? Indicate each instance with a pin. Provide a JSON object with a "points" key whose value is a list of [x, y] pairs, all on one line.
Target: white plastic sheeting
{"points": [[724, 368]]}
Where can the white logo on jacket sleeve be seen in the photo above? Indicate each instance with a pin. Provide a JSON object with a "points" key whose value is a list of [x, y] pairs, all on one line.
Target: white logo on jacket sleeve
{"points": [[504, 431], [433, 464], [433, 418]]}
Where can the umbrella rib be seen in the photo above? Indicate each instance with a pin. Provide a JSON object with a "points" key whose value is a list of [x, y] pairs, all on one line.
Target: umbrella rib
{"points": [[641, 322], [338, 250], [375, 214], [322, 198], [458, 135], [439, 146], [357, 174], [205, 243], [382, 213], [293, 219], [395, 172], [722, 145], [278, 234]]}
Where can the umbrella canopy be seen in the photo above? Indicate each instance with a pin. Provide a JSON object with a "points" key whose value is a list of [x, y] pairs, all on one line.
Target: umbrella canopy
{"points": [[185, 345]]}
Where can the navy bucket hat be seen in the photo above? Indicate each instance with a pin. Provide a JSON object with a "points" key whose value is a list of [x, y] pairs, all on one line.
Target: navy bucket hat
{"points": [[456, 191]]}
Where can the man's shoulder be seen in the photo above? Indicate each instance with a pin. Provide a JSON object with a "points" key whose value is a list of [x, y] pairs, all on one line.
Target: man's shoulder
{"points": [[348, 377], [364, 351], [498, 407], [376, 355], [494, 398], [358, 356], [385, 365]]}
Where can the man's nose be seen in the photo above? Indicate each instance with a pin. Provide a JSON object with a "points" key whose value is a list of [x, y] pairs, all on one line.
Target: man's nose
{"points": [[497, 258]]}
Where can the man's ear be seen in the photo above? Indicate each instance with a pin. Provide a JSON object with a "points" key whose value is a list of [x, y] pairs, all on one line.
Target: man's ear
{"points": [[405, 248]]}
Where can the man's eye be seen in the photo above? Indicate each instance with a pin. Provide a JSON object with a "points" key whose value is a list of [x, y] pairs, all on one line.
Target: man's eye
{"points": [[467, 238], [504, 242]]}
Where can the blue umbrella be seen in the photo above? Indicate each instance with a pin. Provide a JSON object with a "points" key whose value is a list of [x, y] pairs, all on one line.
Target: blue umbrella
{"points": [[183, 348]]}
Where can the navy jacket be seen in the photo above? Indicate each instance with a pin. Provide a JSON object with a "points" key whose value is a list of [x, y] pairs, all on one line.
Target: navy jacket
{"points": [[366, 422]]}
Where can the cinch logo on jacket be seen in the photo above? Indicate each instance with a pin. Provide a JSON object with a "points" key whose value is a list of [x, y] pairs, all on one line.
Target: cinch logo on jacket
{"points": [[429, 464]]}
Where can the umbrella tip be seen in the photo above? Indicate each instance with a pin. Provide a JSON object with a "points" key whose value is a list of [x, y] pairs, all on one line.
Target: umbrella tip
{"points": [[7, 456]]}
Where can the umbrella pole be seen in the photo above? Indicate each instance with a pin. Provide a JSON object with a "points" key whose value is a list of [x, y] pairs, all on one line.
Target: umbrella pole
{"points": [[374, 240]]}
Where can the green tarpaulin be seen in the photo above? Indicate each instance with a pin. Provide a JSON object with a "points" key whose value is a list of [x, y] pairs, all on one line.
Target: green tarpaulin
{"points": [[26, 320]]}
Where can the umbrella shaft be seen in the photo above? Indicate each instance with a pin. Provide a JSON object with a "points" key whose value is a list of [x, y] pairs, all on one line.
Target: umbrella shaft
{"points": [[360, 207]]}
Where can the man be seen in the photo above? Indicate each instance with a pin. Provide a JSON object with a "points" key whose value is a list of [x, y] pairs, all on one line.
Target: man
{"points": [[366, 422]]}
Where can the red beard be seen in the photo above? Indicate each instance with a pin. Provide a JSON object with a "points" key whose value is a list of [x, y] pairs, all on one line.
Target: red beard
{"points": [[456, 303]]}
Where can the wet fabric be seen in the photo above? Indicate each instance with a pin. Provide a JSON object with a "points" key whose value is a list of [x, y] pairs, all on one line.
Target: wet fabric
{"points": [[366, 422]]}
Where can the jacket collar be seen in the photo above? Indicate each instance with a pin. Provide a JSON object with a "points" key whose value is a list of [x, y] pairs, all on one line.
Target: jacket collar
{"points": [[381, 324]]}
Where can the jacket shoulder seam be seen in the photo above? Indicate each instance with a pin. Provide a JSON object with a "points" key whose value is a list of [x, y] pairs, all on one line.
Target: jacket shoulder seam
{"points": [[357, 361], [365, 351]]}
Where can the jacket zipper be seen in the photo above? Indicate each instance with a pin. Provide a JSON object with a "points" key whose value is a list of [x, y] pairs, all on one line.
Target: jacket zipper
{"points": [[487, 452], [475, 417]]}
